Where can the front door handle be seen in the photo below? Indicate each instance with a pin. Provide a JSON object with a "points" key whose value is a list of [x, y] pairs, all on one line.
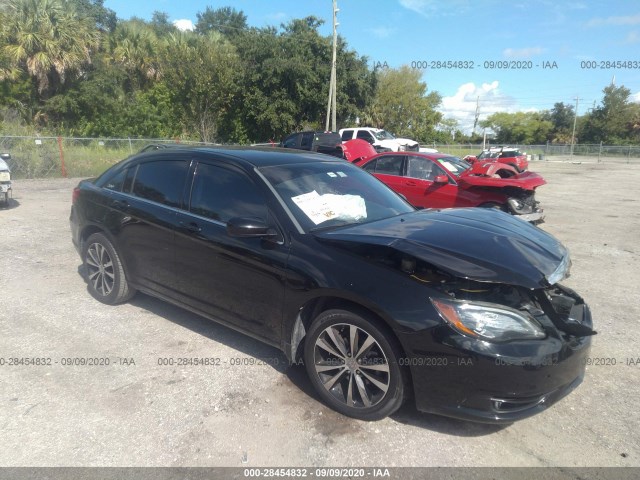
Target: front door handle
{"points": [[409, 183], [191, 227]]}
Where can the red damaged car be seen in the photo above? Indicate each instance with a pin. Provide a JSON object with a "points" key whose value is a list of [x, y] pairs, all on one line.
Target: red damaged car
{"points": [[507, 155], [438, 180]]}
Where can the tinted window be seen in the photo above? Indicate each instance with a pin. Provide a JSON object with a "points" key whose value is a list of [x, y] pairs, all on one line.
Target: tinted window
{"points": [[371, 166], [161, 181], [222, 194], [307, 140], [389, 165], [290, 141], [364, 135], [347, 135], [116, 182]]}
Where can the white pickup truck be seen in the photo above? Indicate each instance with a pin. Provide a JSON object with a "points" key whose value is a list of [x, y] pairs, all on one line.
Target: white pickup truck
{"points": [[381, 140]]}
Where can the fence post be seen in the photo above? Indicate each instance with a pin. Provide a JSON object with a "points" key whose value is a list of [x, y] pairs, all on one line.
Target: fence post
{"points": [[629, 155], [600, 151], [63, 168], [130, 147]]}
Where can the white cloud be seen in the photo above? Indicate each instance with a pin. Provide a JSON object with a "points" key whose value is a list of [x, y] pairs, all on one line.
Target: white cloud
{"points": [[522, 52], [183, 24], [382, 32], [277, 17], [628, 20], [462, 105], [632, 37], [431, 8], [635, 97]]}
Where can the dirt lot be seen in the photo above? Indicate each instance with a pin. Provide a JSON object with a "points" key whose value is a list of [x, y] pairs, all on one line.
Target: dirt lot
{"points": [[135, 412]]}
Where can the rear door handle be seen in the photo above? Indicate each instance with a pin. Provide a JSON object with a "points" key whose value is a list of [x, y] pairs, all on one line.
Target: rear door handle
{"points": [[120, 204], [410, 183], [191, 227]]}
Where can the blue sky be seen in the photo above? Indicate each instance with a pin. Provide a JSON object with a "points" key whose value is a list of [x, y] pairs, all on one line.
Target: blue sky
{"points": [[396, 32]]}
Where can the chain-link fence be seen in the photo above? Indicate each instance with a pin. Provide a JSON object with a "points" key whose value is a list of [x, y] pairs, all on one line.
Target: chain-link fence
{"points": [[595, 153], [40, 157]]}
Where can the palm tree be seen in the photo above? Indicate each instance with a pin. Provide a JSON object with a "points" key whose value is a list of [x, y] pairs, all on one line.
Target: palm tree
{"points": [[46, 39], [135, 46]]}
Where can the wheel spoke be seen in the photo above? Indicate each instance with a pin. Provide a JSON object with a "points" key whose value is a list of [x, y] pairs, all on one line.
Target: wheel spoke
{"points": [[382, 386], [353, 339], [332, 381], [337, 341], [325, 346], [94, 256], [363, 391], [368, 343], [350, 391], [378, 368], [325, 368]]}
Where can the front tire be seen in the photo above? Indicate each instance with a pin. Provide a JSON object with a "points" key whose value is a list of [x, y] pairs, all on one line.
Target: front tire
{"points": [[105, 276], [352, 362]]}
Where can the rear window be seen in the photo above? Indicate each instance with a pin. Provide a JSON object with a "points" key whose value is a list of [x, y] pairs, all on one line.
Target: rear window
{"points": [[347, 135], [161, 181]]}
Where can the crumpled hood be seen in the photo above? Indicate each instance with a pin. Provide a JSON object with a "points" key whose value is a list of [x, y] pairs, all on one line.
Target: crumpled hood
{"points": [[479, 244]]}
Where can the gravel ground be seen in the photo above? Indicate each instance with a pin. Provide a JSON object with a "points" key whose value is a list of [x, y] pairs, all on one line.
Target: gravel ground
{"points": [[135, 412]]}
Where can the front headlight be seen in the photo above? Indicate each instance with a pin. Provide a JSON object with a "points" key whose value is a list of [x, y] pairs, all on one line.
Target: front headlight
{"points": [[488, 321], [562, 272]]}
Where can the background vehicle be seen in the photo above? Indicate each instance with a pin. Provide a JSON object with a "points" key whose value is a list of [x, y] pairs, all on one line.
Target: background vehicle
{"points": [[441, 181], [508, 155], [321, 142], [382, 140], [314, 256], [5, 178]]}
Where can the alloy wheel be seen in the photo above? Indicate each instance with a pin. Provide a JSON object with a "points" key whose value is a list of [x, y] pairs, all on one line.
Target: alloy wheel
{"points": [[351, 365], [100, 267]]}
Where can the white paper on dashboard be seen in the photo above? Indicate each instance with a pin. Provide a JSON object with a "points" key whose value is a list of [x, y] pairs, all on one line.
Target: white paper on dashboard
{"points": [[320, 208]]}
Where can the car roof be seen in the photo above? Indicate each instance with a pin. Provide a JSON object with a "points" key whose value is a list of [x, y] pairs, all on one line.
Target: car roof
{"points": [[431, 156], [250, 156]]}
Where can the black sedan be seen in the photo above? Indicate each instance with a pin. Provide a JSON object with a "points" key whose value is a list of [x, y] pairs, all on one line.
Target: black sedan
{"points": [[460, 309]]}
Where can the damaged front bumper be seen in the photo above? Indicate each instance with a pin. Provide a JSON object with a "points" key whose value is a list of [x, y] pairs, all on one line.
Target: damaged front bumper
{"points": [[526, 209], [474, 379]]}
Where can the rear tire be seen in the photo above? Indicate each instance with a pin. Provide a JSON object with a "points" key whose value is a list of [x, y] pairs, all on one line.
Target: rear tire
{"points": [[106, 280], [352, 362]]}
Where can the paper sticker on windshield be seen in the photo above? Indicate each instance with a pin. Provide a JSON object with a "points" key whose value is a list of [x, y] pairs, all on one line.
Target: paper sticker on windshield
{"points": [[448, 166], [342, 174], [331, 174], [320, 208]]}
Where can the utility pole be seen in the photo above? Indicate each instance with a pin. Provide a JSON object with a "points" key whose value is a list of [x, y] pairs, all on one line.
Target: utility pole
{"points": [[575, 119], [331, 104], [475, 123]]}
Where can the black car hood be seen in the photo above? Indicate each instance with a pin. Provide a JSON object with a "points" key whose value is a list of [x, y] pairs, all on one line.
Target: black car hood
{"points": [[480, 244]]}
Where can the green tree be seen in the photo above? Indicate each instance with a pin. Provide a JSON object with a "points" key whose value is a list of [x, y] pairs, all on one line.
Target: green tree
{"points": [[202, 72], [48, 40], [134, 46], [401, 104], [519, 127], [612, 120], [226, 20], [161, 25]]}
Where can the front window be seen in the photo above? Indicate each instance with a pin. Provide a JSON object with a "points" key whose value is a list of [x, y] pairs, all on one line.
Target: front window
{"points": [[453, 164], [329, 194], [384, 135]]}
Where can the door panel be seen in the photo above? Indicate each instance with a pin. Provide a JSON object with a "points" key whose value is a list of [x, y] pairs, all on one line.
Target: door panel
{"points": [[238, 280]]}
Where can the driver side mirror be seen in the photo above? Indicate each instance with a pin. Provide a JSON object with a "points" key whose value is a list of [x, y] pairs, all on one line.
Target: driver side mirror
{"points": [[249, 228], [440, 179]]}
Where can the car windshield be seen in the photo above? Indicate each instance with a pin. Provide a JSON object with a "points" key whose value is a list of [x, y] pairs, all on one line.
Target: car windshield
{"points": [[383, 135], [329, 194], [453, 164]]}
